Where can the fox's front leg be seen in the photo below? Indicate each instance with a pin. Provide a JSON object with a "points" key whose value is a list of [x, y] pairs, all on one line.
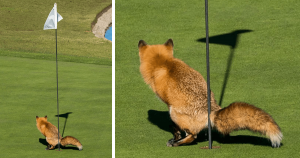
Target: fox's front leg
{"points": [[52, 142], [176, 134], [52, 147], [190, 137], [182, 122], [48, 147]]}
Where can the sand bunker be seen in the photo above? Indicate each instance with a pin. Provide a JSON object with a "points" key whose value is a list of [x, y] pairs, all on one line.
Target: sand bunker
{"points": [[104, 21]]}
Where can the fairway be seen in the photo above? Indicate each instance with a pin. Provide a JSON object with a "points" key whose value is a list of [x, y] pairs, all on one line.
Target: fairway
{"points": [[254, 58], [21, 28], [28, 89]]}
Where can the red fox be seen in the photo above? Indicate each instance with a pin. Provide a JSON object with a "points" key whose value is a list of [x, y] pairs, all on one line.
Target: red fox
{"points": [[184, 90], [51, 134]]}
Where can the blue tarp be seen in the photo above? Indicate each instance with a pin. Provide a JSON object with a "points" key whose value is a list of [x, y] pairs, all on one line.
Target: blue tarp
{"points": [[108, 34]]}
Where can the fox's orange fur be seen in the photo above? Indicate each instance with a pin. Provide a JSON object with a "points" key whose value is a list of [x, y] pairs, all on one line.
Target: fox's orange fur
{"points": [[51, 134], [184, 90]]}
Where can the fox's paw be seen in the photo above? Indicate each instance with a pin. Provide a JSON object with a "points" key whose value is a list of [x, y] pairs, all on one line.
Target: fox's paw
{"points": [[48, 146], [171, 143]]}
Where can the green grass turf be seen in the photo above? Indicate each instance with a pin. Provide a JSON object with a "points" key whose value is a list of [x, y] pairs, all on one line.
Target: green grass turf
{"points": [[28, 79], [264, 71], [28, 89], [22, 22]]}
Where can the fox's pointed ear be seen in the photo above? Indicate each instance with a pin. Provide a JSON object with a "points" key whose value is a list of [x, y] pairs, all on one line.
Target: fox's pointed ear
{"points": [[46, 116], [142, 43], [169, 43], [36, 117]]}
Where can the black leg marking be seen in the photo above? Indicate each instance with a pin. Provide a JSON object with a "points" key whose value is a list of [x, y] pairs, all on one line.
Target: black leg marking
{"points": [[176, 135], [48, 147]]}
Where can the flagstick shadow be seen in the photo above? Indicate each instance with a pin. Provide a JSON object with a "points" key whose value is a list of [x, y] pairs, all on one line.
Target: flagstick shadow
{"points": [[65, 115], [228, 39], [227, 72], [162, 120]]}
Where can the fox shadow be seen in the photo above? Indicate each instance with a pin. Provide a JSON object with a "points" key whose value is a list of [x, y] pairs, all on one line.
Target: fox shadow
{"points": [[44, 142], [163, 121]]}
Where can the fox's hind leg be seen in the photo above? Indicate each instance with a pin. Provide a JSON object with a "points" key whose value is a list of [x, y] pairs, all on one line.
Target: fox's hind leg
{"points": [[190, 137]]}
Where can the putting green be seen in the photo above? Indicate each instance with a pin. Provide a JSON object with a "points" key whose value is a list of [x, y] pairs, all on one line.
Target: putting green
{"points": [[261, 68], [28, 89]]}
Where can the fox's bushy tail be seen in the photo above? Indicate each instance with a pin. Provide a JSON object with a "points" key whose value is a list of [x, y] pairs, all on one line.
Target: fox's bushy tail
{"points": [[69, 140], [239, 116]]}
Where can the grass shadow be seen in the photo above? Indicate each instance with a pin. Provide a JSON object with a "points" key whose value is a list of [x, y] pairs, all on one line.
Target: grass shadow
{"points": [[163, 121], [229, 39]]}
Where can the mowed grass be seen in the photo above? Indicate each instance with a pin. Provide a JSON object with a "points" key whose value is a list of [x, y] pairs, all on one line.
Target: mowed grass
{"points": [[22, 22], [28, 78], [28, 89], [264, 71]]}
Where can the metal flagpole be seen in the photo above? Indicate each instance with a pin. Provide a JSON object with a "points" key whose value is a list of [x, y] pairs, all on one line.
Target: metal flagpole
{"points": [[208, 74], [57, 91], [51, 23]]}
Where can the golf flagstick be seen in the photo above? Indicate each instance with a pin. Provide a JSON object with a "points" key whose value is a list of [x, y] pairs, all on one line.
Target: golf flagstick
{"points": [[57, 92], [51, 23], [208, 75], [208, 82]]}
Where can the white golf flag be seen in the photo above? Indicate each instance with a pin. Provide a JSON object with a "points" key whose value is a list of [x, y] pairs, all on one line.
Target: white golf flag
{"points": [[53, 18]]}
